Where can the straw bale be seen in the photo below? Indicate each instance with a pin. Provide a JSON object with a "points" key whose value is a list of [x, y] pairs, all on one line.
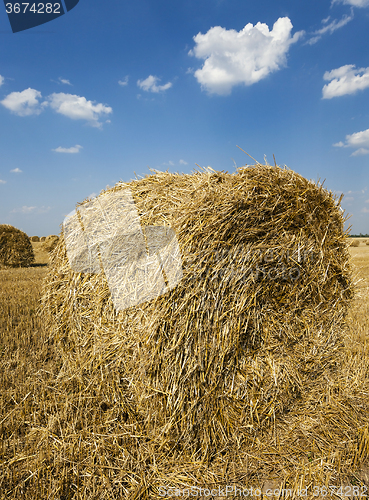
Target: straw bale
{"points": [[253, 322], [355, 243], [35, 238], [15, 247], [43, 238], [50, 242]]}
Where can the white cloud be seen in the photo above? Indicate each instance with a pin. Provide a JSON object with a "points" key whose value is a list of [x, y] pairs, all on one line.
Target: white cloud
{"points": [[73, 149], [182, 162], [1, 80], [345, 80], [124, 82], [29, 210], [330, 28], [366, 201], [359, 140], [241, 57], [64, 81], [360, 152], [78, 108], [23, 103], [2, 182], [365, 210], [23, 210], [354, 3], [150, 84], [16, 171]]}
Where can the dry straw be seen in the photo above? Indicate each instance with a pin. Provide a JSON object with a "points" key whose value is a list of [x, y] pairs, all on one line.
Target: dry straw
{"points": [[255, 323], [50, 243], [43, 238], [15, 248], [35, 238]]}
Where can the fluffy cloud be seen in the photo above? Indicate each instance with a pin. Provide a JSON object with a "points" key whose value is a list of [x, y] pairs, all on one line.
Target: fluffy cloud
{"points": [[358, 140], [150, 84], [329, 28], [345, 80], [182, 162], [354, 3], [73, 106], [16, 171], [2, 182], [73, 149], [78, 108], [1, 80], [24, 103], [241, 57], [124, 82]]}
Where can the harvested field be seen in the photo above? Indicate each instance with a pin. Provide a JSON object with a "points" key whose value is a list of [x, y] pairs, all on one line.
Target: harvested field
{"points": [[76, 437]]}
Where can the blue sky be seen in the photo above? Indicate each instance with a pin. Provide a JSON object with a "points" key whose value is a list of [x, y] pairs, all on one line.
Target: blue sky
{"points": [[115, 88]]}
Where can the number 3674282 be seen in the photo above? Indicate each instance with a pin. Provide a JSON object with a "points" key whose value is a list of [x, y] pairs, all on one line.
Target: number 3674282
{"points": [[36, 8]]}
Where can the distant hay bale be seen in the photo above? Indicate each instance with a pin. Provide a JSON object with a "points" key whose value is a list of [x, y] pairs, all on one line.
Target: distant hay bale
{"points": [[34, 238], [43, 238], [50, 243], [15, 248], [355, 243], [367, 243], [254, 320]]}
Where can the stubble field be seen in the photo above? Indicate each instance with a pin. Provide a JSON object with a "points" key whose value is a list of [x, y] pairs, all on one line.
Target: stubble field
{"points": [[46, 425]]}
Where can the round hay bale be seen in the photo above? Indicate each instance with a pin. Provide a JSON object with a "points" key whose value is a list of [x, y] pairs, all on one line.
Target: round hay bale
{"points": [[367, 243], [50, 243], [35, 238], [355, 243], [43, 238], [251, 315], [15, 247]]}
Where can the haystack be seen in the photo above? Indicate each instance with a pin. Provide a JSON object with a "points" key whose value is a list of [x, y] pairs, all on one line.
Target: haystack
{"points": [[15, 247], [35, 238], [252, 318], [43, 238], [50, 243]]}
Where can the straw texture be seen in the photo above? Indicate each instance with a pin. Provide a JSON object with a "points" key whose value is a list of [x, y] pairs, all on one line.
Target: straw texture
{"points": [[15, 247], [50, 243], [255, 321]]}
